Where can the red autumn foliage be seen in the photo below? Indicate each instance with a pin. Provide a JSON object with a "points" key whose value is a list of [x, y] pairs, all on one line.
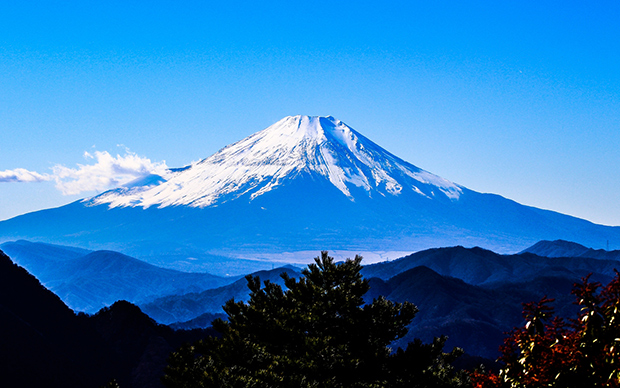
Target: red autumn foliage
{"points": [[550, 352]]}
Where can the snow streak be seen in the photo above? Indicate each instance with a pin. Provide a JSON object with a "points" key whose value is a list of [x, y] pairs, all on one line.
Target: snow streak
{"points": [[320, 146]]}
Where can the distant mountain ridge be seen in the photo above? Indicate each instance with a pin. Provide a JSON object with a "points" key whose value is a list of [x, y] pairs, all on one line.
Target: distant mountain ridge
{"points": [[306, 183], [479, 266], [44, 344], [470, 294], [179, 308], [88, 281], [473, 317], [561, 248]]}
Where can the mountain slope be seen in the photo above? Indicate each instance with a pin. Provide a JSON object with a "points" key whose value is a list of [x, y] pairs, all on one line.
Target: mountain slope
{"points": [[88, 281], [561, 248], [180, 308], [44, 344], [42, 260], [474, 318], [479, 266], [303, 184], [315, 146], [41, 336]]}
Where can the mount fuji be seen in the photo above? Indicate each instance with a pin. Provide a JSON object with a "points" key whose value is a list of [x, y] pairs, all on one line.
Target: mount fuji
{"points": [[320, 148], [302, 184]]}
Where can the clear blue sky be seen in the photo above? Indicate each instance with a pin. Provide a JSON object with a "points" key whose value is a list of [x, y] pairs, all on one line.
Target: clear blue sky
{"points": [[516, 98]]}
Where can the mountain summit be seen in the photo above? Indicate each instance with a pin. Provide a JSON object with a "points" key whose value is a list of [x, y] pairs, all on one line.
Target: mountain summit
{"points": [[303, 184], [319, 147]]}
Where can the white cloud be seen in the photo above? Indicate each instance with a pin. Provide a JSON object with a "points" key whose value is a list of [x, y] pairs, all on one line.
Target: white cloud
{"points": [[106, 172], [23, 175]]}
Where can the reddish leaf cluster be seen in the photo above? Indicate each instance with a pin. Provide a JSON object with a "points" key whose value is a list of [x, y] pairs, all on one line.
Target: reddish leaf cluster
{"points": [[550, 352]]}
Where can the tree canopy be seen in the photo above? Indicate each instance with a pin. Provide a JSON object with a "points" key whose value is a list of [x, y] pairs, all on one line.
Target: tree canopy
{"points": [[317, 332], [551, 352]]}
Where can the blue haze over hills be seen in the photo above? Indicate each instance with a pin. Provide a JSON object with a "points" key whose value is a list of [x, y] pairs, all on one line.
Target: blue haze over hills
{"points": [[470, 294]]}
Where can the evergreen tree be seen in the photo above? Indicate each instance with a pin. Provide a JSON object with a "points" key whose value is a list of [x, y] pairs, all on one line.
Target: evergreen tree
{"points": [[316, 333]]}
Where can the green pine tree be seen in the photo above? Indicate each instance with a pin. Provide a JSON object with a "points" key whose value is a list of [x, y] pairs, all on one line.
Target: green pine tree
{"points": [[316, 333]]}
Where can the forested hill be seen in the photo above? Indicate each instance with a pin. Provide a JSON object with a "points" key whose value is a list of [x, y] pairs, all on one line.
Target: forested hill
{"points": [[45, 344]]}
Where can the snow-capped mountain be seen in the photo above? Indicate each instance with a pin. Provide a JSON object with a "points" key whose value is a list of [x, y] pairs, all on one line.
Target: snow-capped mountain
{"points": [[320, 146], [302, 184]]}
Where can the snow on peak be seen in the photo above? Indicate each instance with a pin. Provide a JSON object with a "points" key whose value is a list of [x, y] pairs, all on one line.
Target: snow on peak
{"points": [[315, 145]]}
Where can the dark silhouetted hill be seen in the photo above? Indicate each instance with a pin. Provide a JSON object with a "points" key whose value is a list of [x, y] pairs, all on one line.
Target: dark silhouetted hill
{"points": [[199, 322], [181, 308], [472, 295], [479, 266], [562, 248], [88, 281], [475, 295], [45, 344], [42, 339], [474, 318]]}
